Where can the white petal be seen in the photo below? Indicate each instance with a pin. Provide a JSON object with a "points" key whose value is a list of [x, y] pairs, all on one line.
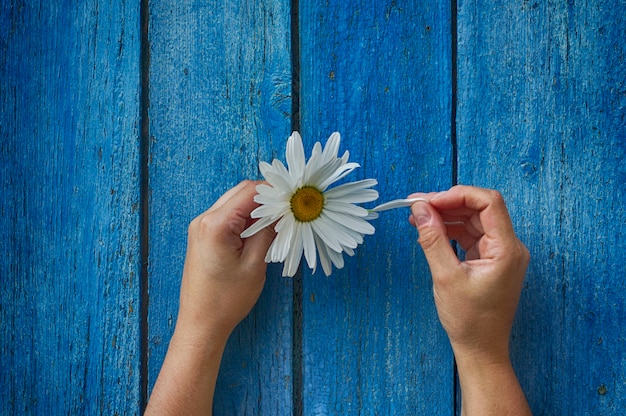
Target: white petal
{"points": [[280, 246], [264, 167], [295, 252], [295, 155], [323, 172], [309, 245], [324, 257], [355, 236], [348, 251], [324, 229], [338, 174], [256, 227], [359, 197], [397, 203], [332, 147], [314, 163], [278, 176], [336, 258], [268, 255], [268, 190], [346, 236], [345, 208], [349, 221], [276, 198], [371, 216], [272, 211], [350, 187]]}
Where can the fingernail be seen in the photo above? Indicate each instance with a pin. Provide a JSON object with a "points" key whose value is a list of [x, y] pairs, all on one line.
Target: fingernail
{"points": [[421, 214]]}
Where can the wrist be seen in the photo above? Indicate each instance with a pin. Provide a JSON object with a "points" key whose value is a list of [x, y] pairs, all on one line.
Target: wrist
{"points": [[488, 383], [480, 354], [200, 334]]}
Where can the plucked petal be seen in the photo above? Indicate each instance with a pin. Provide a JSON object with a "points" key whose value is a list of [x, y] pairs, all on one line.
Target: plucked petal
{"points": [[397, 203]]}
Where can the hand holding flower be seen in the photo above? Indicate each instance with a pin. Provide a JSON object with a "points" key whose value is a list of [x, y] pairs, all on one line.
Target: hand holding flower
{"points": [[223, 277]]}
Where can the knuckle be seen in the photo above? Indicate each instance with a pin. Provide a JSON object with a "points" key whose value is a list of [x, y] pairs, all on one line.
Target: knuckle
{"points": [[521, 253], [193, 225], [428, 238], [201, 224], [525, 254], [495, 196]]}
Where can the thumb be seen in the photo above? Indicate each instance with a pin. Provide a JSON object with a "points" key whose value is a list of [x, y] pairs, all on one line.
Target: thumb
{"points": [[433, 238]]}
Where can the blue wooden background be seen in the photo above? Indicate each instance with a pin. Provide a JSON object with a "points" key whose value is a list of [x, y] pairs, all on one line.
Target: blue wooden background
{"points": [[121, 121]]}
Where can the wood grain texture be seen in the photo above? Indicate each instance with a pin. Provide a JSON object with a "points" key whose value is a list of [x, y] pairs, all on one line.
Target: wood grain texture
{"points": [[69, 258], [542, 117], [220, 101], [379, 73]]}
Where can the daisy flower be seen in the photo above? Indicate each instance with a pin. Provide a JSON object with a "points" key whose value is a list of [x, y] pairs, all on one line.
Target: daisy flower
{"points": [[312, 218]]}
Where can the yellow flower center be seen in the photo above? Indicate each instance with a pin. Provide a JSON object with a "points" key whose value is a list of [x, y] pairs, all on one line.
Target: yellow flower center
{"points": [[307, 204]]}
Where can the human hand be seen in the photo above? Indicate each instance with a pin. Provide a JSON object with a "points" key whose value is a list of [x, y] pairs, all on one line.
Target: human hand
{"points": [[223, 274], [476, 299], [223, 277]]}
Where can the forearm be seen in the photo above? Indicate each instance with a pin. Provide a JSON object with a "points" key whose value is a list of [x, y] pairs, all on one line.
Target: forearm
{"points": [[489, 387], [186, 383]]}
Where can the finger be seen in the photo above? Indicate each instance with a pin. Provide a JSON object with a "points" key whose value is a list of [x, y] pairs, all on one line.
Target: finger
{"points": [[490, 214], [230, 214], [434, 239], [463, 237], [460, 226], [231, 192], [239, 200], [427, 196]]}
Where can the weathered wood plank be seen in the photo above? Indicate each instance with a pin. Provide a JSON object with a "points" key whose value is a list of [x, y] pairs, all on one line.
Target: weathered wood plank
{"points": [[69, 257], [380, 74], [542, 117], [220, 101]]}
